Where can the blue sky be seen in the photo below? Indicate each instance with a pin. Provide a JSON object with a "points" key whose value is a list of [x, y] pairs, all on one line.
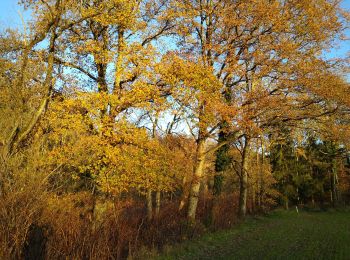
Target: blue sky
{"points": [[10, 10], [9, 14]]}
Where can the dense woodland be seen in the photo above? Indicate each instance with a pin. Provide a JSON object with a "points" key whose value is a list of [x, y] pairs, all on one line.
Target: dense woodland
{"points": [[127, 125]]}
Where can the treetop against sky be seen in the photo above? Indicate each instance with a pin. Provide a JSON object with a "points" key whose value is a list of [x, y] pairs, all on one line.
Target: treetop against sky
{"points": [[12, 15]]}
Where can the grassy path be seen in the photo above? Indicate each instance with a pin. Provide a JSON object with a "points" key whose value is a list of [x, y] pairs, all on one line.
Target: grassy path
{"points": [[282, 235]]}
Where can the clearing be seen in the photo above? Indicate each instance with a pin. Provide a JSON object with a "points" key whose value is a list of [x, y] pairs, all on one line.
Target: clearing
{"points": [[280, 235]]}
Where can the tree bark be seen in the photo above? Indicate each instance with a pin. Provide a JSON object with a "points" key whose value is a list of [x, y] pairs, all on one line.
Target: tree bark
{"points": [[20, 136], [196, 181], [185, 193], [119, 62], [286, 203], [243, 193], [149, 205], [253, 203], [334, 195], [157, 203], [261, 174]]}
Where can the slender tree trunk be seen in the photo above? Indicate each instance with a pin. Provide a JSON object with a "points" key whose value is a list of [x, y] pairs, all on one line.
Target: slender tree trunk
{"points": [[119, 62], [334, 197], [261, 174], [337, 191], [117, 86], [205, 190], [253, 204], [286, 204], [157, 203], [149, 205], [185, 193], [196, 181], [243, 192], [20, 136]]}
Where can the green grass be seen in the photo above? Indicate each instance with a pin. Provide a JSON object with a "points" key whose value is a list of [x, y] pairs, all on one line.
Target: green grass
{"points": [[281, 235]]}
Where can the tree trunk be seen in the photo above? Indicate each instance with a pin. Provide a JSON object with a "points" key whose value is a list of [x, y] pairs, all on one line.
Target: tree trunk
{"points": [[261, 174], [243, 192], [185, 193], [196, 181], [20, 136], [157, 203], [119, 62], [334, 197], [149, 205], [253, 192], [205, 190], [286, 204], [222, 162]]}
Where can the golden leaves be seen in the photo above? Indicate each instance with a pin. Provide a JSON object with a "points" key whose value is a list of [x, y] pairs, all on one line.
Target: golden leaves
{"points": [[247, 63]]}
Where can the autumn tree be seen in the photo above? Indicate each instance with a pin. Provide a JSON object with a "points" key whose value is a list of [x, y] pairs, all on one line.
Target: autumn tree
{"points": [[259, 57]]}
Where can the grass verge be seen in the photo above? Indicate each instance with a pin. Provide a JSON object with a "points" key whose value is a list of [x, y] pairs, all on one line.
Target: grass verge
{"points": [[279, 235]]}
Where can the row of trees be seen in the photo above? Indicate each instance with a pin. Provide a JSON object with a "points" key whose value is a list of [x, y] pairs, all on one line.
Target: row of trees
{"points": [[169, 101]]}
